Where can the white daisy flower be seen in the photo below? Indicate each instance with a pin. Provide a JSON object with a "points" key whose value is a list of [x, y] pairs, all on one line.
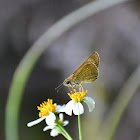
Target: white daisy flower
{"points": [[55, 129], [47, 112], [76, 105]]}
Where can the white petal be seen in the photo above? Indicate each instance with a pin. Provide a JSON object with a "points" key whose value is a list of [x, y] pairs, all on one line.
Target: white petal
{"points": [[36, 121], [47, 128], [65, 123], [54, 132], [69, 107], [60, 108], [50, 119], [90, 102], [78, 108], [61, 117]]}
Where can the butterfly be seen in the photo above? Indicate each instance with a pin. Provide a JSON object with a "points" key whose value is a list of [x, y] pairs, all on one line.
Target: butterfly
{"points": [[86, 73]]}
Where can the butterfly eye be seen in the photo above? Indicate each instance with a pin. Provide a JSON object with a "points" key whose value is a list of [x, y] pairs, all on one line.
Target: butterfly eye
{"points": [[68, 82]]}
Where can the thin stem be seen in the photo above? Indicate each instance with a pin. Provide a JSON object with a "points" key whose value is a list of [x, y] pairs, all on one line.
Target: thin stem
{"points": [[64, 135], [79, 127], [64, 132]]}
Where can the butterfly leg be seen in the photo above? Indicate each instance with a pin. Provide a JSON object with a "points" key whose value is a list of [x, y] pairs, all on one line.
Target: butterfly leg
{"points": [[70, 89], [81, 86]]}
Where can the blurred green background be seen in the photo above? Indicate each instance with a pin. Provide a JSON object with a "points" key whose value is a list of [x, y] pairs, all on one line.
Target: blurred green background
{"points": [[113, 33]]}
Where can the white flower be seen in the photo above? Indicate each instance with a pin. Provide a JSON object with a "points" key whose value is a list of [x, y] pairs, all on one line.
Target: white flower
{"points": [[47, 112], [59, 108], [54, 132], [50, 118], [75, 104]]}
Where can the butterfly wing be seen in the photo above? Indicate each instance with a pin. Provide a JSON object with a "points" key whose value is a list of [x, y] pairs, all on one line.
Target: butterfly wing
{"points": [[86, 73], [94, 58]]}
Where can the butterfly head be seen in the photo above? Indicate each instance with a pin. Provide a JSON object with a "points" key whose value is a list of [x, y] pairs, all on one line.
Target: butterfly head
{"points": [[67, 82], [70, 83]]}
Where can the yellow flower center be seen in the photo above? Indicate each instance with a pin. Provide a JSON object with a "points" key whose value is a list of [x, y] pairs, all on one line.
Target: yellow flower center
{"points": [[78, 96], [46, 107]]}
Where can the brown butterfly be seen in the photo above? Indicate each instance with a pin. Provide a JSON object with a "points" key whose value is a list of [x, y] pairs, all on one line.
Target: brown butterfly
{"points": [[86, 73]]}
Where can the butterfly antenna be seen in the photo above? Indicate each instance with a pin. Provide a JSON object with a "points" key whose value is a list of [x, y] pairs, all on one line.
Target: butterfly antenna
{"points": [[59, 87]]}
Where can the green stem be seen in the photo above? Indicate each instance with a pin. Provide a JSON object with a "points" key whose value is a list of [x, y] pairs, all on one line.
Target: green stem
{"points": [[64, 135], [79, 126], [64, 132]]}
